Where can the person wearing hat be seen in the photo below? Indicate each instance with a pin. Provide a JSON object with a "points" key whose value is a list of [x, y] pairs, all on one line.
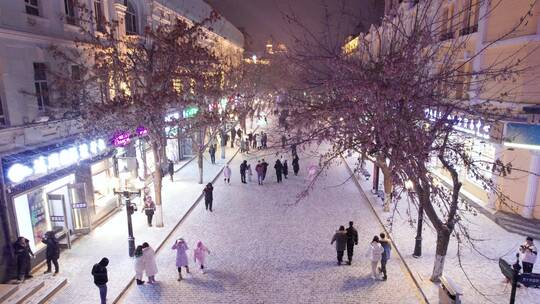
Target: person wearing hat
{"points": [[529, 252]]}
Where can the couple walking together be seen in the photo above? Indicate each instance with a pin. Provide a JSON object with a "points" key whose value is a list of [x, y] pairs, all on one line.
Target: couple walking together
{"points": [[378, 250]]}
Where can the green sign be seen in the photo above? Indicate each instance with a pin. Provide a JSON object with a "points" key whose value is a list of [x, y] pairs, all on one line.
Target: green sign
{"points": [[190, 112]]}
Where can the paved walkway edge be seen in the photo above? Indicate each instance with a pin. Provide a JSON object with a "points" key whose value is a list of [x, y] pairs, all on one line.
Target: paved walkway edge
{"points": [[168, 235], [357, 183]]}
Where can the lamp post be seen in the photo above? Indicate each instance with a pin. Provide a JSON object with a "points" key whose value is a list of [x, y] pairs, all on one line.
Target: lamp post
{"points": [[515, 276], [130, 209], [418, 239]]}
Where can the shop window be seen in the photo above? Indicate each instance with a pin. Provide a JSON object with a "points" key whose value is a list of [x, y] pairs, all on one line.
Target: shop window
{"points": [[103, 182], [470, 17], [32, 217], [32, 7], [483, 156], [70, 8], [40, 84], [131, 19], [99, 16]]}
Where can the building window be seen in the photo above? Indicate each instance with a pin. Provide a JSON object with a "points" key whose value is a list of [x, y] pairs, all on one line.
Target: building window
{"points": [[69, 6], [2, 118], [40, 82], [32, 7], [470, 18], [131, 19], [99, 17]]}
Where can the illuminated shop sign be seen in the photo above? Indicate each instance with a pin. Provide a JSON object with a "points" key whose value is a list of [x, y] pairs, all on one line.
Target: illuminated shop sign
{"points": [[464, 124], [51, 162], [190, 112]]}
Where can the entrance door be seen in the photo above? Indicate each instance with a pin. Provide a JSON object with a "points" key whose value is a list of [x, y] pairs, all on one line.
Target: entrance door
{"points": [[82, 223], [57, 214]]}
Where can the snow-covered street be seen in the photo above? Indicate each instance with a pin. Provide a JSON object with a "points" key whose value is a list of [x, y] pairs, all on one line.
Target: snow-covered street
{"points": [[267, 249]]}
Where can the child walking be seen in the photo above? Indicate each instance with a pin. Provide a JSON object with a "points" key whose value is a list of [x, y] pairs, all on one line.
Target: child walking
{"points": [[199, 254]]}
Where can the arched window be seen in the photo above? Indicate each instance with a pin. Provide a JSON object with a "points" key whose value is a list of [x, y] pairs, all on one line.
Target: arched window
{"points": [[131, 19]]}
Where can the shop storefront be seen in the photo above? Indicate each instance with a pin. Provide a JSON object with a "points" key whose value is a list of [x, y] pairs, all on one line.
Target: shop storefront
{"points": [[63, 188]]}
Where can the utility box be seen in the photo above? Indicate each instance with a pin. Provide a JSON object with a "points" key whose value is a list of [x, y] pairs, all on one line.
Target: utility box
{"points": [[449, 292]]}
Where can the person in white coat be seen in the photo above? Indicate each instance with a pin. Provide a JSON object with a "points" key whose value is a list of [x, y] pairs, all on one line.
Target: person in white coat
{"points": [[150, 265], [139, 265], [374, 253], [227, 174]]}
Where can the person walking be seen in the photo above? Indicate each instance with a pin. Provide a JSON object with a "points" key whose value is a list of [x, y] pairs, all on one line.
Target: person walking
{"points": [[150, 265], [239, 133], [285, 169], [250, 140], [265, 168], [243, 169], [530, 253], [170, 169], [249, 172], [181, 256], [340, 237], [242, 145], [23, 255], [138, 264], [352, 240], [208, 196], [259, 168], [374, 254], [199, 254], [258, 141], [227, 174], [385, 244], [279, 170], [233, 136], [295, 165], [52, 254], [149, 208], [212, 152], [99, 272], [264, 138], [293, 151]]}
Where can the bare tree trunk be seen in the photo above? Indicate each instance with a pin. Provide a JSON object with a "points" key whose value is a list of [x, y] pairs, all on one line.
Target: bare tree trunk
{"points": [[200, 164], [388, 185], [443, 239], [158, 178]]}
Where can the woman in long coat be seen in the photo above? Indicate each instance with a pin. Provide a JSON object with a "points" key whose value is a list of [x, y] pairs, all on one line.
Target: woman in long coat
{"points": [[139, 265], [227, 174], [340, 237], [285, 168], [23, 253], [181, 256], [199, 254], [295, 165], [150, 265], [374, 254]]}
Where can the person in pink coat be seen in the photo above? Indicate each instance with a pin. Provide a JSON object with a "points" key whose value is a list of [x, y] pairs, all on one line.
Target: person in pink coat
{"points": [[227, 174], [181, 256], [199, 254]]}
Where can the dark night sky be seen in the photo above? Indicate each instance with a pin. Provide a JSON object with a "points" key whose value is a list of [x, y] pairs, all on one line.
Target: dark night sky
{"points": [[263, 19]]}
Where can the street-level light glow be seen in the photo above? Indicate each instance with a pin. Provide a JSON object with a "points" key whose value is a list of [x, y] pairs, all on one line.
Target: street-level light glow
{"points": [[254, 58], [409, 184]]}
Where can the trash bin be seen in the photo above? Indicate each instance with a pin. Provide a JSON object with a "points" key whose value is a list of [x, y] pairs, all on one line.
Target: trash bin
{"points": [[449, 292]]}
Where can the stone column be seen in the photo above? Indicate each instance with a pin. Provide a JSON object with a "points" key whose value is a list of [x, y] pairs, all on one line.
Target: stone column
{"points": [[120, 11], [532, 186]]}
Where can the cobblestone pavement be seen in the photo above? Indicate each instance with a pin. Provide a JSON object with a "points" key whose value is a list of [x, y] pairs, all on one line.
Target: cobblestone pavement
{"points": [[268, 249], [480, 265], [110, 239]]}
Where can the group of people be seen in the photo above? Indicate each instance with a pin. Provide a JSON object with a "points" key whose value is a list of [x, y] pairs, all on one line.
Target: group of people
{"points": [[24, 255], [378, 250]]}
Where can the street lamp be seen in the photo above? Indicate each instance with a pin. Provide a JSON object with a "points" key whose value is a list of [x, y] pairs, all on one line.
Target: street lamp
{"points": [[130, 209], [409, 185]]}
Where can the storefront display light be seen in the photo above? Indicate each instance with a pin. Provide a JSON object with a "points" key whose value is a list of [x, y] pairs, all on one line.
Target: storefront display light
{"points": [[40, 165], [53, 161], [18, 173]]}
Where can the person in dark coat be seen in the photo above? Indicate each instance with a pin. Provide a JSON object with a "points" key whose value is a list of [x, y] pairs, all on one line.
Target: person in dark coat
{"points": [[264, 165], [285, 169], [260, 172], [293, 150], [279, 170], [23, 254], [250, 139], [208, 196], [352, 240], [233, 137], [243, 169], [340, 237], [212, 152], [170, 169], [239, 133], [385, 243], [52, 253], [99, 271], [295, 165], [264, 140], [283, 141]]}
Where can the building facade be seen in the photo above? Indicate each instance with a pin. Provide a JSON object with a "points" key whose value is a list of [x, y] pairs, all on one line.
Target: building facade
{"points": [[492, 29], [51, 177]]}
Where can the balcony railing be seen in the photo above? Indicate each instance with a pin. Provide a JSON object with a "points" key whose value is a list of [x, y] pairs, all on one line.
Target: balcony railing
{"points": [[468, 30], [447, 36]]}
